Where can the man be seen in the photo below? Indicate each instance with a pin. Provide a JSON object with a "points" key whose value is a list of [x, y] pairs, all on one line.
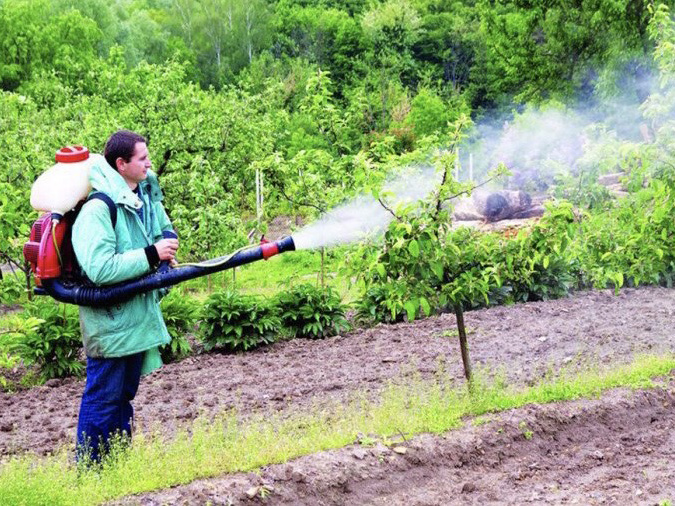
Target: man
{"points": [[120, 341]]}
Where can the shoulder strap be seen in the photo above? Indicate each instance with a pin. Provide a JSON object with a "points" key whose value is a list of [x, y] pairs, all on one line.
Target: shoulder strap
{"points": [[109, 202]]}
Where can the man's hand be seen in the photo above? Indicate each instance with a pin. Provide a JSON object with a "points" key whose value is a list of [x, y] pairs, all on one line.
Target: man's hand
{"points": [[166, 248]]}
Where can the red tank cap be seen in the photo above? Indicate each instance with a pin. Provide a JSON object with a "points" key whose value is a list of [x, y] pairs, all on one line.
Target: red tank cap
{"points": [[71, 154]]}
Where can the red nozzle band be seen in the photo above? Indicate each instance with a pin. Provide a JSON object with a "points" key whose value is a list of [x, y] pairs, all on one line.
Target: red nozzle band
{"points": [[71, 154], [269, 249]]}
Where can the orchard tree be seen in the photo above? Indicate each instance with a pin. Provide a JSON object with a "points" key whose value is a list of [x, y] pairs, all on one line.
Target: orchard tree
{"points": [[414, 271], [35, 40], [549, 48], [448, 45], [392, 29]]}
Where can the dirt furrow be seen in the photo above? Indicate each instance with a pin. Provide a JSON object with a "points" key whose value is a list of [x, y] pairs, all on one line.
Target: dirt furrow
{"points": [[618, 449]]}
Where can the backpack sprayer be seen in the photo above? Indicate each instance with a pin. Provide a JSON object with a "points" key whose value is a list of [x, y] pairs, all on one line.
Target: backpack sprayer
{"points": [[61, 191]]}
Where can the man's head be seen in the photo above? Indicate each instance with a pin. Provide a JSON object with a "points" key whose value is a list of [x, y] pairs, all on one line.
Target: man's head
{"points": [[127, 153]]}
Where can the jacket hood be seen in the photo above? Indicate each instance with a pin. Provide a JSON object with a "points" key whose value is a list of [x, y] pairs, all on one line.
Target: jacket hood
{"points": [[105, 179]]}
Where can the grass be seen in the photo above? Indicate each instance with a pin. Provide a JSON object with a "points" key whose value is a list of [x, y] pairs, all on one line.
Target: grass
{"points": [[230, 444], [277, 273]]}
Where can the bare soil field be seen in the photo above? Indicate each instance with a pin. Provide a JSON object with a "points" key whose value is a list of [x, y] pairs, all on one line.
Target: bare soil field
{"points": [[616, 450], [620, 448]]}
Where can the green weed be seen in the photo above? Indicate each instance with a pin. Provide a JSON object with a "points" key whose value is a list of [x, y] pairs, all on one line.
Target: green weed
{"points": [[527, 433]]}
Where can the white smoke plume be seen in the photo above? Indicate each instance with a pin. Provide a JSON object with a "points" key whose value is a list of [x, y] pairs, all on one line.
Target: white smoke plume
{"points": [[364, 216], [535, 143]]}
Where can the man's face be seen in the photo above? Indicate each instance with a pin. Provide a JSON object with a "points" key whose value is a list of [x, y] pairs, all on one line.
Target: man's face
{"points": [[136, 169]]}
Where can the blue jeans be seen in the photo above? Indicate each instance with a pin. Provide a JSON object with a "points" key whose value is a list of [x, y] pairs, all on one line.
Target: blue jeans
{"points": [[106, 408]]}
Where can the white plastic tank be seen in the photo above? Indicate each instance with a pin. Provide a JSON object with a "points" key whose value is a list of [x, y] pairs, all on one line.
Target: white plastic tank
{"points": [[62, 186]]}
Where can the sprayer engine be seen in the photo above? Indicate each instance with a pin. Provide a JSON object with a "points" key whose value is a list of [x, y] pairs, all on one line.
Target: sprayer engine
{"points": [[49, 250]]}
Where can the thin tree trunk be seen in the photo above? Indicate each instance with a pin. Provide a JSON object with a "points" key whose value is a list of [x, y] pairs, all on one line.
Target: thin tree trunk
{"points": [[463, 343]]}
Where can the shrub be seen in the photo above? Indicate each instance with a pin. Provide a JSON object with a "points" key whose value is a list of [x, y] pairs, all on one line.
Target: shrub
{"points": [[54, 343], [380, 303], [632, 243], [180, 314], [308, 311], [401, 277], [12, 289], [538, 264], [12, 332], [238, 322]]}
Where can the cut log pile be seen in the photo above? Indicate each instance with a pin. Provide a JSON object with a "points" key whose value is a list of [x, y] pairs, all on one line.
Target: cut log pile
{"points": [[614, 184], [496, 206]]}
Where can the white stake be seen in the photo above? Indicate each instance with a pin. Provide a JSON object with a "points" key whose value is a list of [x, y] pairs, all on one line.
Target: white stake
{"points": [[261, 193], [257, 193], [470, 166]]}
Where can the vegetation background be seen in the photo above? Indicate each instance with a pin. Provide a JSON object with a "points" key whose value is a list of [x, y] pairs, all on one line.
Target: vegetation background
{"points": [[326, 99], [315, 94]]}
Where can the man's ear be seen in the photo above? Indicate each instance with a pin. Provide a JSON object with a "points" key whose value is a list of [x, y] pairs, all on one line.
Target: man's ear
{"points": [[119, 163]]}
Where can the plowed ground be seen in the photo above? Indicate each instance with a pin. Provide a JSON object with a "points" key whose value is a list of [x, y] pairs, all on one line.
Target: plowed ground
{"points": [[617, 450]]}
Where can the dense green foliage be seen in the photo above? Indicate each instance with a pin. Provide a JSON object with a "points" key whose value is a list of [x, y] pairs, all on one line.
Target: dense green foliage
{"points": [[298, 90], [50, 338], [235, 322], [11, 288], [425, 265], [311, 312], [630, 242], [180, 314], [643, 251]]}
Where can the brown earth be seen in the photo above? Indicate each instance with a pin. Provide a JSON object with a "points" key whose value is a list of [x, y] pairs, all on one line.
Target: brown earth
{"points": [[525, 342], [616, 450]]}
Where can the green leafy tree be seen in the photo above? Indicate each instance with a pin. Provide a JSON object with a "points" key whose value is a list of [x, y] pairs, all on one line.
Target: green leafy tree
{"points": [[449, 47], [35, 40], [410, 274], [328, 37], [550, 48], [392, 28]]}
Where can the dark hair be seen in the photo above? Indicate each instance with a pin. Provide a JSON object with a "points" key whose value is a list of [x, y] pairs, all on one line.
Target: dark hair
{"points": [[121, 144]]}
